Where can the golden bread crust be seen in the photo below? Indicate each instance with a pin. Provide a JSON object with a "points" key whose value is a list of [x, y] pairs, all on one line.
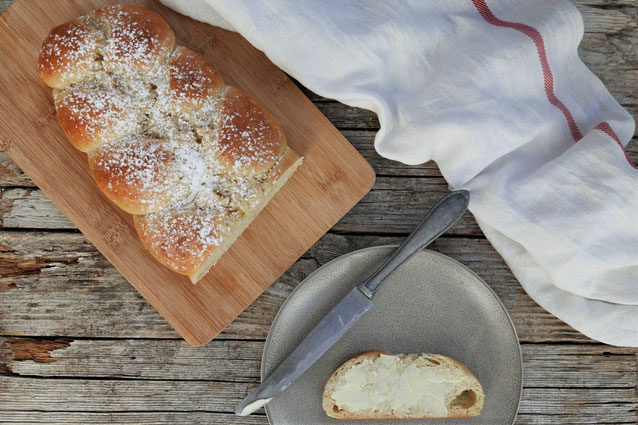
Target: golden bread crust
{"points": [[69, 54], [191, 158], [92, 118], [192, 81], [137, 40], [138, 176], [181, 239], [250, 138]]}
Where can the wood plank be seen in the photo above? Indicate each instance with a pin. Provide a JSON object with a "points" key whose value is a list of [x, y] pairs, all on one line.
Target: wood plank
{"points": [[617, 80], [576, 405], [546, 366], [620, 83], [579, 365], [394, 205], [607, 4], [332, 179], [66, 287], [362, 140], [58, 284], [612, 59], [397, 205], [191, 418], [114, 395], [128, 418], [11, 174], [347, 117], [30, 209], [607, 21], [237, 361]]}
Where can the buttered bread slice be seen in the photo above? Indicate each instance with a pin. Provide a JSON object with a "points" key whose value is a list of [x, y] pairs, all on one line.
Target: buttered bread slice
{"points": [[376, 385]]}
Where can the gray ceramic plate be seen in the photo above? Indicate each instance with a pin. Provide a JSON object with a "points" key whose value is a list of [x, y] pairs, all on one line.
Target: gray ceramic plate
{"points": [[431, 304]]}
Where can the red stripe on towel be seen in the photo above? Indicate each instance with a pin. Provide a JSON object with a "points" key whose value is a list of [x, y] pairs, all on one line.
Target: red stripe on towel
{"points": [[606, 128], [537, 38]]}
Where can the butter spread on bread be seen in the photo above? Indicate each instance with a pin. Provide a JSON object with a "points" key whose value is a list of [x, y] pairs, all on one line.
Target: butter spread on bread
{"points": [[193, 159], [376, 385]]}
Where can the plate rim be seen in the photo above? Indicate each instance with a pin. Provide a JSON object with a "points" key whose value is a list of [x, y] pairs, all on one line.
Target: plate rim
{"points": [[268, 342]]}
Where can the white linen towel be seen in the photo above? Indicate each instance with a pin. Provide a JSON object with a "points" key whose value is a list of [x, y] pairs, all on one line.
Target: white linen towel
{"points": [[495, 93]]}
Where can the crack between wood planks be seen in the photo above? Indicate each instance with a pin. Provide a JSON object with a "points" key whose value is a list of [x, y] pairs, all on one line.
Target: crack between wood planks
{"points": [[575, 387], [18, 187], [257, 339], [610, 7], [557, 342], [122, 412], [579, 423], [571, 414], [394, 233], [38, 230], [254, 380], [120, 338], [375, 129], [408, 176]]}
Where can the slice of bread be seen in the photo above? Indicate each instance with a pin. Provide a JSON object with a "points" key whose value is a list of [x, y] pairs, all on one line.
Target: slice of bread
{"points": [[376, 385]]}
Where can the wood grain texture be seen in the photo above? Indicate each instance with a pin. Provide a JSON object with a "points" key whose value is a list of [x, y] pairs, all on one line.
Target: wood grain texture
{"points": [[378, 211], [31, 209], [128, 418], [60, 299], [192, 418], [46, 289], [548, 366], [332, 179], [577, 405]]}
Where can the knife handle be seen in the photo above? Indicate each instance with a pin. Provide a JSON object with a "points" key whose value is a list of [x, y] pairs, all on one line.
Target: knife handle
{"points": [[440, 218]]}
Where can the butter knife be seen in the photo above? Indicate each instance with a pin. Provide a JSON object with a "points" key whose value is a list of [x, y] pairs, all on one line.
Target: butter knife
{"points": [[355, 304]]}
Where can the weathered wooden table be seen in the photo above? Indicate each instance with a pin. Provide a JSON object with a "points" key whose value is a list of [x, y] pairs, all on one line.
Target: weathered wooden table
{"points": [[78, 345]]}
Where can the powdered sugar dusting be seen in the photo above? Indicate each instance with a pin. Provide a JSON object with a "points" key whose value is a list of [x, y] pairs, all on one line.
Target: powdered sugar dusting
{"points": [[69, 50], [183, 235], [100, 111], [167, 126], [252, 133], [130, 41], [241, 120], [138, 170], [189, 81]]}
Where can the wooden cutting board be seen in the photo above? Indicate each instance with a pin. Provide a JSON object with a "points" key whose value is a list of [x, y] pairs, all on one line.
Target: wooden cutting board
{"points": [[332, 178]]}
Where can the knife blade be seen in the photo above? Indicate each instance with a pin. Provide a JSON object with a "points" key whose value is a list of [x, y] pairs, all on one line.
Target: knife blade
{"points": [[354, 305], [315, 344]]}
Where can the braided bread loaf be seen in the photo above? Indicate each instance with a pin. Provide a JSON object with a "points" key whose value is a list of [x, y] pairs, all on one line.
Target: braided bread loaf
{"points": [[194, 160]]}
